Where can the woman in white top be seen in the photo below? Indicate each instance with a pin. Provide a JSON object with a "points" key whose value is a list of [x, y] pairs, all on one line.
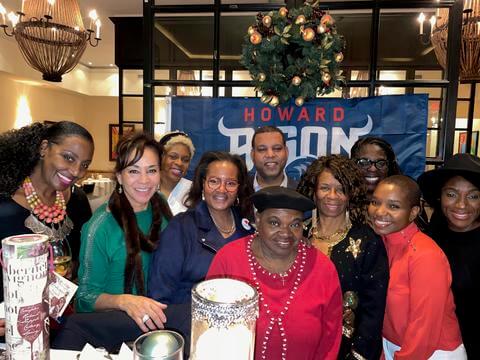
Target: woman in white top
{"points": [[177, 151]]}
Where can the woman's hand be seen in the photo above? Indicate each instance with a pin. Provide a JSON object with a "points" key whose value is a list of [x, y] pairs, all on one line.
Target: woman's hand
{"points": [[146, 312]]}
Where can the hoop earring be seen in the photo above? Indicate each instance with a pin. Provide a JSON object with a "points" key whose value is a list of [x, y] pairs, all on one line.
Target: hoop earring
{"points": [[120, 189]]}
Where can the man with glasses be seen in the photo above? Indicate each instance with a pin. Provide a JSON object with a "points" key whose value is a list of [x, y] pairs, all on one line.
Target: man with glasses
{"points": [[269, 155]]}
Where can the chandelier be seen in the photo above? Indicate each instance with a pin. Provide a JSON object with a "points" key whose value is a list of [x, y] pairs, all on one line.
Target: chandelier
{"points": [[470, 42], [51, 35]]}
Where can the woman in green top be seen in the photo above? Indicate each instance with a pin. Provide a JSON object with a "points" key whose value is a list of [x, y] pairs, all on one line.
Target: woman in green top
{"points": [[118, 240]]}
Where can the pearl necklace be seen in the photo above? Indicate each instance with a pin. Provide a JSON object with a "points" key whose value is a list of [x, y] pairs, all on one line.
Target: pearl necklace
{"points": [[48, 214], [278, 318]]}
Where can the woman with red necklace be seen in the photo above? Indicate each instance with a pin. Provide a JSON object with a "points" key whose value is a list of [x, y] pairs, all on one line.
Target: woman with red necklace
{"points": [[299, 292], [39, 167]]}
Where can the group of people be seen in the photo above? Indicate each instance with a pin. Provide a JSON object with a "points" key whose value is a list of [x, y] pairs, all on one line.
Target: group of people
{"points": [[341, 268]]}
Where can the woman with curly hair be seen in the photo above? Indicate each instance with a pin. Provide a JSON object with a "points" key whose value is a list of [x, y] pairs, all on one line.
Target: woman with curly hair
{"points": [[339, 229], [218, 200], [40, 165]]}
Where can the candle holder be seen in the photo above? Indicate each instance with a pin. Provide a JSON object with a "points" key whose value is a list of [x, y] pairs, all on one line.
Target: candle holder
{"points": [[224, 314], [159, 345]]}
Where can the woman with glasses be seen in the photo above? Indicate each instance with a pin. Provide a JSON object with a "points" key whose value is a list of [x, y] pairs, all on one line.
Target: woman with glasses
{"points": [[339, 229], [177, 151], [376, 160], [219, 210]]}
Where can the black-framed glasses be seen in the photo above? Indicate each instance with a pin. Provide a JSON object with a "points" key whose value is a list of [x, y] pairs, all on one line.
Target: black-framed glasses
{"points": [[214, 183], [365, 163]]}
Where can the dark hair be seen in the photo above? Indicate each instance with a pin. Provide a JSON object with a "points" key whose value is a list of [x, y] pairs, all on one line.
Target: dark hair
{"points": [[20, 150], [393, 168], [348, 174], [407, 185], [267, 129], [245, 189], [135, 144]]}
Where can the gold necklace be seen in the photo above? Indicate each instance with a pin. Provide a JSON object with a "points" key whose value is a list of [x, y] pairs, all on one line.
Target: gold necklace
{"points": [[225, 231], [337, 237]]}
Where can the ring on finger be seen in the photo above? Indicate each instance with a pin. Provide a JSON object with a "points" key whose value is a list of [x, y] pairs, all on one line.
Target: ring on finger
{"points": [[145, 318]]}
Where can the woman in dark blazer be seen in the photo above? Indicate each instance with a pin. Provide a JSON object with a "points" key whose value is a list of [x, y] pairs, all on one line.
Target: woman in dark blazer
{"points": [[219, 210]]}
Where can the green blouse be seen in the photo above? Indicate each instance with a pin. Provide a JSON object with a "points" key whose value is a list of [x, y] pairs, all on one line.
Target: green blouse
{"points": [[103, 255]]}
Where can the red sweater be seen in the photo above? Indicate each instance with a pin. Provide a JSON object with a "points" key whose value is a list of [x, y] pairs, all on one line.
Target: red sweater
{"points": [[313, 322], [420, 313]]}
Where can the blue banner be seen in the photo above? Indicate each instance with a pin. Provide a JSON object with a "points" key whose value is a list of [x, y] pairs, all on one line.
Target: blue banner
{"points": [[320, 127]]}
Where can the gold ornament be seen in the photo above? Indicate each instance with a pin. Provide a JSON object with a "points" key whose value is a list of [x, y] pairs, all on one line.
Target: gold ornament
{"points": [[250, 30], [261, 77], [327, 21], [274, 101], [296, 80], [283, 12], [267, 21], [339, 57], [299, 101], [256, 38], [320, 29], [326, 77], [300, 20], [265, 98], [308, 34]]}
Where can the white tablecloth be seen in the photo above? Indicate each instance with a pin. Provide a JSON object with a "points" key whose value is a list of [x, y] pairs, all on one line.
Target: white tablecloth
{"points": [[103, 186]]}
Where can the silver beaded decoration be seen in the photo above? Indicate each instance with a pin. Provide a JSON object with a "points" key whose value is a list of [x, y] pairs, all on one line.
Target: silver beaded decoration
{"points": [[278, 318]]}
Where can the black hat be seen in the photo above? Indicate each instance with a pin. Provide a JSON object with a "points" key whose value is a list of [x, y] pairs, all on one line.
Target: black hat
{"points": [[278, 197], [465, 165]]}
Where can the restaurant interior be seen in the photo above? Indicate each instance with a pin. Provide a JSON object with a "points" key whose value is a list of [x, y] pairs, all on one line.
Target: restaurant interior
{"points": [[385, 55]]}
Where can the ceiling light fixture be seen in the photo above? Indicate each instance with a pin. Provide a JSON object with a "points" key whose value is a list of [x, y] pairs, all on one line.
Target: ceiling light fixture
{"points": [[470, 41], [51, 35]]}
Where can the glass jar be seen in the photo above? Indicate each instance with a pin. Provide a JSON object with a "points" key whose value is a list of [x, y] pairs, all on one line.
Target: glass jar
{"points": [[224, 315], [62, 258]]}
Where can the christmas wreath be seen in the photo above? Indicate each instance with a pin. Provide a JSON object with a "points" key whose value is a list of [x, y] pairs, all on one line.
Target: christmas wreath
{"points": [[294, 53]]}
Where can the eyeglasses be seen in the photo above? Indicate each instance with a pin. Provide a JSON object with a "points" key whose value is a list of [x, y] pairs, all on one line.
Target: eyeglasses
{"points": [[366, 163], [214, 183]]}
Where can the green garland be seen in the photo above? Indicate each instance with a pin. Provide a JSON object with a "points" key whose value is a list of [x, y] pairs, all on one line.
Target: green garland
{"points": [[294, 53]]}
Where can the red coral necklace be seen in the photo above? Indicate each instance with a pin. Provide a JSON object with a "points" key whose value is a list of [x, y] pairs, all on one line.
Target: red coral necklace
{"points": [[48, 214]]}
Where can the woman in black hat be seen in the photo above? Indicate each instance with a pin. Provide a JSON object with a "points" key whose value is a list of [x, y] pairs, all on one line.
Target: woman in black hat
{"points": [[454, 193], [299, 291]]}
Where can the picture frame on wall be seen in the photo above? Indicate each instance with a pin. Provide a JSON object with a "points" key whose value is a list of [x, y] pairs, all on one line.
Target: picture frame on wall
{"points": [[114, 136], [462, 142]]}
